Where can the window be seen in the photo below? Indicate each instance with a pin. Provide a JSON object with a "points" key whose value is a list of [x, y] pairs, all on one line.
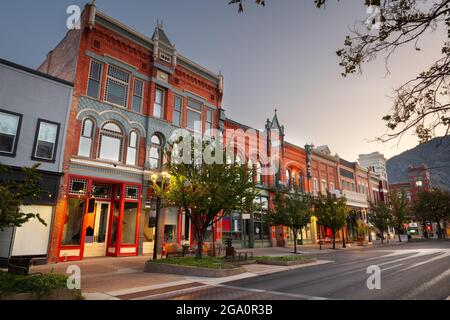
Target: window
{"points": [[251, 176], [177, 111], [209, 122], [117, 86], [132, 148], [95, 76], [74, 221], [294, 180], [315, 186], [300, 182], [324, 185], [165, 57], [9, 131], [419, 183], [288, 179], [46, 140], [87, 132], [158, 106], [137, 95], [331, 186], [194, 116], [130, 214], [171, 225], [156, 153], [259, 177], [111, 141]]}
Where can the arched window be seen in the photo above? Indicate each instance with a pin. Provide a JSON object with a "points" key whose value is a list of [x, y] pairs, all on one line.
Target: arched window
{"points": [[294, 180], [156, 152], [111, 142], [251, 176], [259, 178], [300, 182], [288, 179], [132, 148], [87, 133]]}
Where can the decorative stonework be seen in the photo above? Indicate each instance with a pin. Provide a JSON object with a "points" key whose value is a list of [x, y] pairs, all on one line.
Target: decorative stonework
{"points": [[102, 112]]}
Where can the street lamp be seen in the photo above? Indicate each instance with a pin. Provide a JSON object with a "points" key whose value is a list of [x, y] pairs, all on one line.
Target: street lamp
{"points": [[154, 177]]}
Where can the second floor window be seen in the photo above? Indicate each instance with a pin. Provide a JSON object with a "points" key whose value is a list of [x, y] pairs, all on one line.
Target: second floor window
{"points": [[156, 152], [9, 131], [177, 111], [46, 140], [324, 185], [111, 140], [137, 95], [315, 186], [259, 177], [132, 148], [158, 106], [117, 86], [85, 145], [194, 116], [209, 121], [95, 76]]}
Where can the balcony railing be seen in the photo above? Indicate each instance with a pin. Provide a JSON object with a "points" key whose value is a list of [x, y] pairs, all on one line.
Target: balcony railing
{"points": [[355, 199]]}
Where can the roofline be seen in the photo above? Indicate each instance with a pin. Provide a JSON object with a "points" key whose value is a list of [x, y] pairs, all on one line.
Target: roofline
{"points": [[150, 42], [35, 72]]}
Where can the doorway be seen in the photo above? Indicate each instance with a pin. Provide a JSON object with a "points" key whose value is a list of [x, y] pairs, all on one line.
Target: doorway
{"points": [[97, 230]]}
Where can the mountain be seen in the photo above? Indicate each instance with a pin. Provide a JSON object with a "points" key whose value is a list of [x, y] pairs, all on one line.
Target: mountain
{"points": [[435, 154]]}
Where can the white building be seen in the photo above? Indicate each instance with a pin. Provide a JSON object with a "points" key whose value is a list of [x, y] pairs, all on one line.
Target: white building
{"points": [[374, 161]]}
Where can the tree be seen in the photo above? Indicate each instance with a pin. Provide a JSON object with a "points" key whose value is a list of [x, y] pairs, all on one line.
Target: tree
{"points": [[433, 206], [206, 191], [400, 211], [293, 210], [332, 213], [381, 217], [422, 103], [14, 194]]}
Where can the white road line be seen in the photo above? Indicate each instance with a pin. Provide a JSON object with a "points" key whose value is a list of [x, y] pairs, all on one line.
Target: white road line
{"points": [[277, 293], [422, 288], [441, 256]]}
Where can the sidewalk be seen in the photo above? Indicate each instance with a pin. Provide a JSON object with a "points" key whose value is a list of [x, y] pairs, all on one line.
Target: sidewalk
{"points": [[313, 249], [123, 278]]}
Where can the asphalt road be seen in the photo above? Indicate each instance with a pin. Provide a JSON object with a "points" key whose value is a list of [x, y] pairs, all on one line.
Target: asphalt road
{"points": [[408, 271]]}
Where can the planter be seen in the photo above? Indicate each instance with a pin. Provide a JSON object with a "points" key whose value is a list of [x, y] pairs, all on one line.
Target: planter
{"points": [[285, 263], [191, 271], [59, 294]]}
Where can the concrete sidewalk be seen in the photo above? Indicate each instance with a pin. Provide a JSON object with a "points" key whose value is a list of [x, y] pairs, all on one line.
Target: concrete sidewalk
{"points": [[313, 249]]}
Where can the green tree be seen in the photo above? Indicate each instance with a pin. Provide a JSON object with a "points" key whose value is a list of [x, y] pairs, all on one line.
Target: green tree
{"points": [[400, 211], [380, 216], [433, 206], [14, 194], [331, 212], [206, 191], [421, 104], [293, 210]]}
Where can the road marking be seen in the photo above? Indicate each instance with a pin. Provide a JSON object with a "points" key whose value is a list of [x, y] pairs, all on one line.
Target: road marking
{"points": [[277, 293], [392, 267], [422, 288], [441, 256]]}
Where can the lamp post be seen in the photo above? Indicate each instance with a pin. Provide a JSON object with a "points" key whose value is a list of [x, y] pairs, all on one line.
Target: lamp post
{"points": [[154, 178]]}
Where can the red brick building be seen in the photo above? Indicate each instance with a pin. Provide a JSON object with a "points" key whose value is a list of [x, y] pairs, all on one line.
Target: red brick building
{"points": [[131, 93]]}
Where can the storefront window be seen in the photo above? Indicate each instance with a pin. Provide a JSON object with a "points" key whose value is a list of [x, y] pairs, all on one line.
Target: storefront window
{"points": [[115, 222], [73, 224], [130, 214], [170, 227]]}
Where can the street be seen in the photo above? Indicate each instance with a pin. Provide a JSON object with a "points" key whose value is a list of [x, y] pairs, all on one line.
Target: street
{"points": [[409, 271]]}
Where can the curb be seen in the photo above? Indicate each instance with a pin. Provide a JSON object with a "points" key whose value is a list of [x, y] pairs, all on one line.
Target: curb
{"points": [[191, 271]]}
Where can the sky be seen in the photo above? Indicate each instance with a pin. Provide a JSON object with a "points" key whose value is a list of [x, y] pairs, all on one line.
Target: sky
{"points": [[279, 56]]}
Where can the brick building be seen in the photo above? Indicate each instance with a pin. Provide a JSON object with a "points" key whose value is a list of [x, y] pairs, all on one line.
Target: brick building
{"points": [[131, 92]]}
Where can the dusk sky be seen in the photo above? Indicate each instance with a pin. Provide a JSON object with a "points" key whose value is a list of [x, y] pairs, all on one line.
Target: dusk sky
{"points": [[281, 56]]}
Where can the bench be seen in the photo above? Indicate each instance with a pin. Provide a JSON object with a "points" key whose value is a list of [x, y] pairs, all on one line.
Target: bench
{"points": [[176, 254]]}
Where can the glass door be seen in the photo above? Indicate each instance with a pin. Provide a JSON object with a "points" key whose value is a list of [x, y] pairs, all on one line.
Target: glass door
{"points": [[97, 230]]}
